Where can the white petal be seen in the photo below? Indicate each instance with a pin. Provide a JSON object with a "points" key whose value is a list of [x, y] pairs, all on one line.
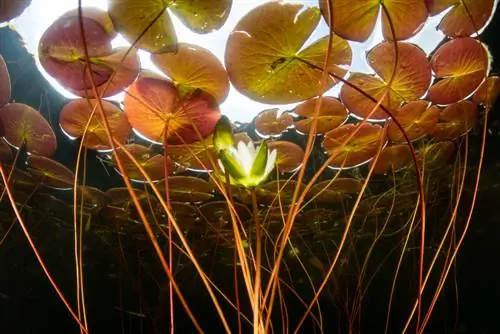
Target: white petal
{"points": [[271, 162], [251, 150], [221, 166], [244, 157]]}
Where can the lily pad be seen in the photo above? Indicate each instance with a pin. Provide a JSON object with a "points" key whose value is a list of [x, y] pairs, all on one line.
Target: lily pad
{"points": [[152, 163], [193, 67], [335, 191], [355, 20], [25, 125], [332, 113], [392, 158], [50, 172], [461, 65], [289, 155], [269, 124], [456, 120], [11, 9], [417, 119], [5, 89], [488, 92], [75, 116], [266, 59], [197, 156], [156, 110], [189, 189], [365, 140]]}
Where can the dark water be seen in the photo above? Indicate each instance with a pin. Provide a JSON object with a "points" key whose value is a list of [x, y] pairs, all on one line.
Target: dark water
{"points": [[28, 303]]}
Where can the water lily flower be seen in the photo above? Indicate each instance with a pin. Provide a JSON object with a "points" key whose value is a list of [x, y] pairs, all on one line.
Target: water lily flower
{"points": [[246, 165]]}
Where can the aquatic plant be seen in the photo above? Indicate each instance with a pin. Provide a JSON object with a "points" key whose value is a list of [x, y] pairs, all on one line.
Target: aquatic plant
{"points": [[330, 191]]}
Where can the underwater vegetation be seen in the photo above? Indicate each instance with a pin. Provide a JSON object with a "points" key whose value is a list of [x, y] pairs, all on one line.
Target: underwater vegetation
{"points": [[303, 220]]}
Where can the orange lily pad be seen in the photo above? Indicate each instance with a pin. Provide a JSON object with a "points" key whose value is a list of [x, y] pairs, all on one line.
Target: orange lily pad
{"points": [[365, 141], [218, 212], [5, 152], [465, 16], [392, 158], [332, 113], [417, 119], [461, 65], [11, 9], [51, 173], [265, 60], [269, 124], [149, 22], [456, 120], [193, 67], [411, 80], [339, 189], [488, 92], [289, 155], [355, 20], [152, 163], [23, 124], [156, 110], [196, 156], [189, 189], [5, 89], [75, 116]]}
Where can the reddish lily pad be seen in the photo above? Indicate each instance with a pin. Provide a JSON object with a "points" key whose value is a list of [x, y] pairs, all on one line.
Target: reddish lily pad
{"points": [[488, 92], [289, 155], [51, 173], [218, 212], [75, 116], [265, 59], [461, 64], [365, 140], [5, 89], [392, 158], [465, 18], [456, 120], [355, 20], [417, 119], [339, 189], [155, 109], [269, 124], [153, 164], [411, 80], [11, 9], [149, 22], [193, 67], [62, 55], [23, 124], [5, 152], [332, 113]]}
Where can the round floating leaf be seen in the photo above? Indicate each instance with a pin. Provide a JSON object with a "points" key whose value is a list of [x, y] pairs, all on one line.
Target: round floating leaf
{"points": [[465, 18], [193, 67], [392, 158], [268, 123], [265, 59], [461, 64], [25, 125], [51, 173], [456, 120], [10, 9], [339, 189], [218, 212], [488, 92], [75, 116], [62, 54], [355, 20], [153, 164], [363, 145], [417, 119], [124, 67], [5, 89], [332, 113], [436, 155], [186, 215], [289, 155], [153, 106], [196, 156], [92, 197], [189, 189], [150, 20], [411, 80]]}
